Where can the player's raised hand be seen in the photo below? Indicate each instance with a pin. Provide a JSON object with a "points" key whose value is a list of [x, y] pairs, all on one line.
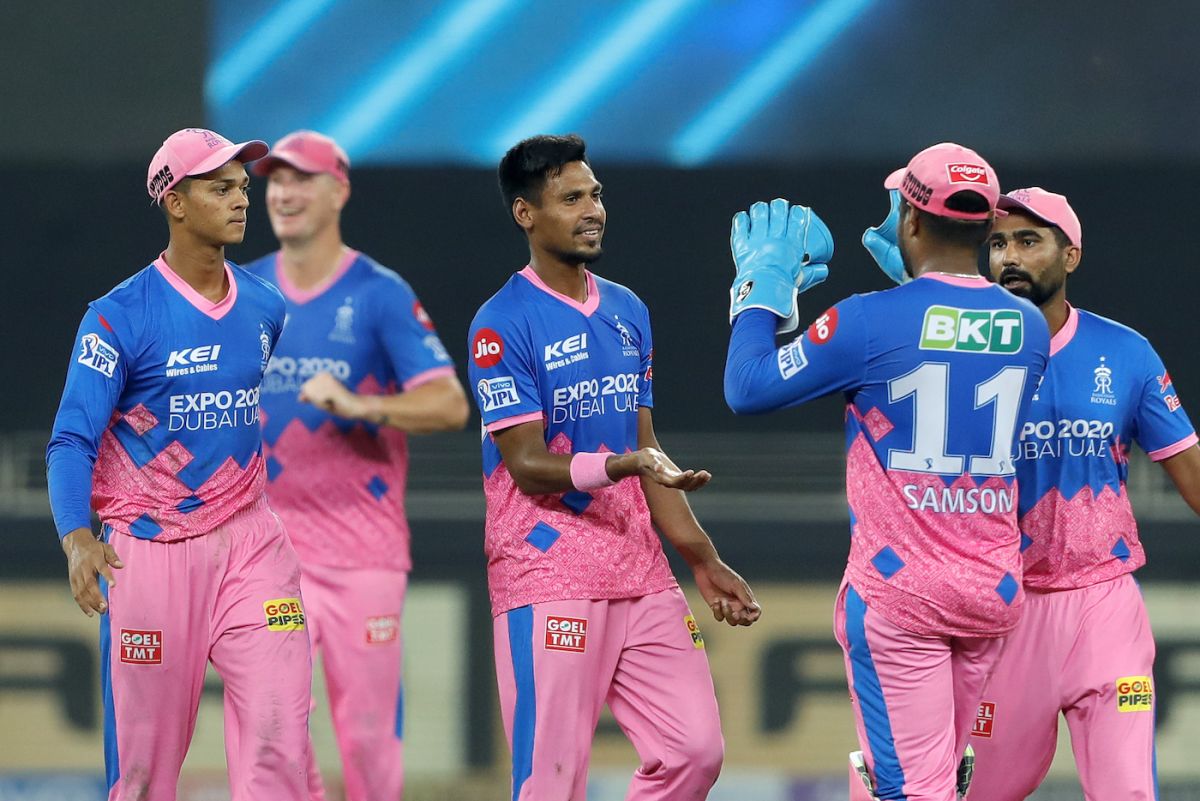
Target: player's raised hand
{"points": [[655, 465], [726, 593], [882, 242], [327, 393], [779, 250], [88, 557]]}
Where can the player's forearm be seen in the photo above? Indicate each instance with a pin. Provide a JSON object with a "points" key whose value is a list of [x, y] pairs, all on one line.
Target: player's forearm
{"points": [[751, 375], [69, 480], [440, 405], [1184, 470], [672, 516]]}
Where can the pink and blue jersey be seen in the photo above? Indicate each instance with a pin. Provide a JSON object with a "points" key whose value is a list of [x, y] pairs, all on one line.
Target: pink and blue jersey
{"points": [[1105, 389], [937, 374], [158, 428], [339, 484], [582, 371]]}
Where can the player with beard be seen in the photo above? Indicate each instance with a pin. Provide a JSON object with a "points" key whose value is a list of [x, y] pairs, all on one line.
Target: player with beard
{"points": [[935, 375], [1084, 647], [586, 610]]}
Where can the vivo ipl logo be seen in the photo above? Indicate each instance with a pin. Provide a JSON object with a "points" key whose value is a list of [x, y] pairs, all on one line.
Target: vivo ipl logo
{"points": [[972, 330], [98, 355]]}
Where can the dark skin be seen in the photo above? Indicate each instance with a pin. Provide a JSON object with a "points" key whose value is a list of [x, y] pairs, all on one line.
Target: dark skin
{"points": [[204, 215], [1026, 258], [565, 226], [924, 253]]}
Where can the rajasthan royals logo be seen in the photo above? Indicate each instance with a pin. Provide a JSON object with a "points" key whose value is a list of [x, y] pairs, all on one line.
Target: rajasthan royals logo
{"points": [[1103, 393], [264, 343], [627, 346], [343, 323]]}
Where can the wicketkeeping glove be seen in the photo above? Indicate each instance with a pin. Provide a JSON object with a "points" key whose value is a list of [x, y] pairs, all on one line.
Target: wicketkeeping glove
{"points": [[779, 251], [882, 242]]}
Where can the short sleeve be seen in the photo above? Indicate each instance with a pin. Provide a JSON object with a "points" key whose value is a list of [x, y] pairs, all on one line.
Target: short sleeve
{"points": [[1162, 427], [408, 336], [502, 370]]}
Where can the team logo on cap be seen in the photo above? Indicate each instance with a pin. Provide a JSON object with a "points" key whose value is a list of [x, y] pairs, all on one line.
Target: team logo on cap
{"points": [[967, 174]]}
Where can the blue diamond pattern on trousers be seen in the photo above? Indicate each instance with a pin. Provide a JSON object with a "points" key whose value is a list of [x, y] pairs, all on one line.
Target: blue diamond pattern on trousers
{"points": [[887, 562]]}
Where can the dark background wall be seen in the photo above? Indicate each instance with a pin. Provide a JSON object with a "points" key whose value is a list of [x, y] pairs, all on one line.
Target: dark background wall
{"points": [[1094, 99]]}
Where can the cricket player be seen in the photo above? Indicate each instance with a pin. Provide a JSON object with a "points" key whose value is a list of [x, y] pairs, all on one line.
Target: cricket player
{"points": [[359, 365], [1084, 645], [936, 374], [586, 608], [158, 432]]}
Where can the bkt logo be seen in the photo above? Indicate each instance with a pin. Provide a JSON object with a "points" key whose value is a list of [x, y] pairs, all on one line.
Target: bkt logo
{"points": [[204, 353], [558, 349], [972, 330]]}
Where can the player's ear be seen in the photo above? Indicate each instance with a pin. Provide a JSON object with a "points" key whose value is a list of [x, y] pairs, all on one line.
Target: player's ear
{"points": [[910, 221], [174, 205], [1071, 258], [522, 212], [342, 196]]}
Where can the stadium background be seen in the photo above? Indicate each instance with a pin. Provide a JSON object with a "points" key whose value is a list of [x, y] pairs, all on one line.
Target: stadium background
{"points": [[693, 109]]}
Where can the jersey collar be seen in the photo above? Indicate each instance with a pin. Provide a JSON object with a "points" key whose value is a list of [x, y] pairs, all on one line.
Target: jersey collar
{"points": [[299, 296], [1067, 332], [203, 305], [586, 308]]}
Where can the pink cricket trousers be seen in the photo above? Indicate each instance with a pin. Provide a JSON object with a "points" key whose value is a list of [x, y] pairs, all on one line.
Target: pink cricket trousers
{"points": [[354, 617], [1087, 653], [915, 699], [231, 597], [559, 662]]}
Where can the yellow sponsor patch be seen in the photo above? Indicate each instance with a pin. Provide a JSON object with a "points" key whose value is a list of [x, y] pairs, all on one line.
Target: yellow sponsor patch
{"points": [[694, 630], [1135, 694], [284, 614]]}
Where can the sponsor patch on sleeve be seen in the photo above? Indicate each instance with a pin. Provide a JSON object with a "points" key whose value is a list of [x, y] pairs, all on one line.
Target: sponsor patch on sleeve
{"points": [[496, 393], [566, 634], [694, 631], [1135, 694], [487, 348], [791, 358], [823, 328], [98, 355], [284, 614]]}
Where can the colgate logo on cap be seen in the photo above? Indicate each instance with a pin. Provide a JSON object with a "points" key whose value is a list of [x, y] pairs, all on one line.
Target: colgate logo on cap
{"points": [[967, 174]]}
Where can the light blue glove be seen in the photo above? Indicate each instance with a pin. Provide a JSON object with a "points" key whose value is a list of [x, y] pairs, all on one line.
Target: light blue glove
{"points": [[779, 251], [882, 242]]}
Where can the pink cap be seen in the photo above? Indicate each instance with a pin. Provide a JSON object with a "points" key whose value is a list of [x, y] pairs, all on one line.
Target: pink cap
{"points": [[1047, 207], [195, 151], [307, 151], [942, 170]]}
